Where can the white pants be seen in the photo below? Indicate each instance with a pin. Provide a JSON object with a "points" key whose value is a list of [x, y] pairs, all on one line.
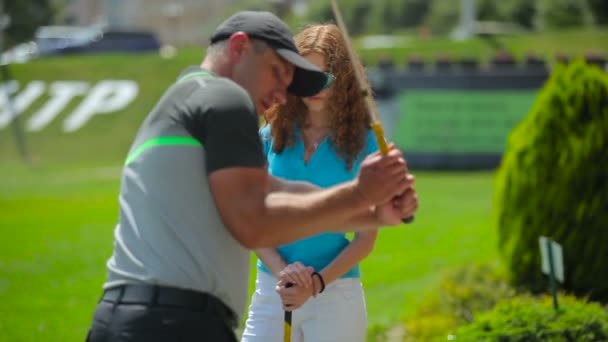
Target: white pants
{"points": [[336, 315]]}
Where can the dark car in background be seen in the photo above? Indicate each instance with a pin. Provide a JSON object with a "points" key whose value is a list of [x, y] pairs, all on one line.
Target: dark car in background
{"points": [[60, 40], [117, 41]]}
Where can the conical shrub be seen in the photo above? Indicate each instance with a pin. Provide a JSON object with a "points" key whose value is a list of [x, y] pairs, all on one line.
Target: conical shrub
{"points": [[553, 181]]}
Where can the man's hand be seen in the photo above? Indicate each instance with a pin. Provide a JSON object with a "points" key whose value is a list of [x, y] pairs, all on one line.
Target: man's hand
{"points": [[392, 212], [408, 202], [293, 297], [382, 177], [297, 274]]}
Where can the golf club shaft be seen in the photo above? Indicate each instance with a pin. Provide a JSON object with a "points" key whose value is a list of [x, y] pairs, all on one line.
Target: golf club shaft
{"points": [[366, 92], [287, 325]]}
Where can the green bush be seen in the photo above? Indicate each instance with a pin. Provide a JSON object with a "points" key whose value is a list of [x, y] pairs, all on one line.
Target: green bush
{"points": [[377, 333], [528, 319], [463, 293], [553, 181]]}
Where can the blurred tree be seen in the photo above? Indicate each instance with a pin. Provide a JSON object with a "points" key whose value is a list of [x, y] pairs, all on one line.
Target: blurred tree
{"points": [[257, 5], [599, 9], [320, 12], [281, 7], [443, 15], [488, 10], [411, 13], [25, 18], [381, 17], [356, 21], [561, 13], [356, 14], [521, 12]]}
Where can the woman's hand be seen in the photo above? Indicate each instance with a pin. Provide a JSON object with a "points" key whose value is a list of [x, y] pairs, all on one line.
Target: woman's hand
{"points": [[297, 274], [293, 297]]}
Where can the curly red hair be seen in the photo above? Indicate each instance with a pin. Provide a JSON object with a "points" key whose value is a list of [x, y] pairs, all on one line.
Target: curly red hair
{"points": [[349, 120]]}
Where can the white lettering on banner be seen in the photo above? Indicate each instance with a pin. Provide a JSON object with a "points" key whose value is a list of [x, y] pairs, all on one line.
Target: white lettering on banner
{"points": [[20, 102], [61, 92], [105, 97]]}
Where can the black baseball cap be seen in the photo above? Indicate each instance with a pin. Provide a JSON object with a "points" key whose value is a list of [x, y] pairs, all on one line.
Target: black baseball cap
{"points": [[308, 79]]}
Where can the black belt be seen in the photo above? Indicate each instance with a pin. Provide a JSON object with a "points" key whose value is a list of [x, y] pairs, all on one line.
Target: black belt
{"points": [[170, 296]]}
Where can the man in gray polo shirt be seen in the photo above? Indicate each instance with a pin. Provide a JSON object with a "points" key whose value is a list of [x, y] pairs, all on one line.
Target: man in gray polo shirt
{"points": [[195, 194]]}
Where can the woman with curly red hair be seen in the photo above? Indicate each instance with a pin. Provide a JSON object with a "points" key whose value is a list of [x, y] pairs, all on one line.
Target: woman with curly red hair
{"points": [[320, 139]]}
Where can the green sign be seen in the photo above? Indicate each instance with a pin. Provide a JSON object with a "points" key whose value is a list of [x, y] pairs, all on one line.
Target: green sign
{"points": [[459, 121]]}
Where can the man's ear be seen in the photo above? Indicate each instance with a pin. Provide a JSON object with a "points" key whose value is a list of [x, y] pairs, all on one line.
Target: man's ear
{"points": [[238, 44]]}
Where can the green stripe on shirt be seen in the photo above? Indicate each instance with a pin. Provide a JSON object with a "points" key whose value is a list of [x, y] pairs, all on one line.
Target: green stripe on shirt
{"points": [[194, 74], [162, 141]]}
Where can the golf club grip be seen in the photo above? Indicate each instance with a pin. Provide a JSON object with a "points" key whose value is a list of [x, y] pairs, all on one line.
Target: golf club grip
{"points": [[288, 285], [383, 147], [287, 328]]}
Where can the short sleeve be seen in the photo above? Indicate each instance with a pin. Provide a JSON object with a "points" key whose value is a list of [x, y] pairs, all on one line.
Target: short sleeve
{"points": [[231, 131]]}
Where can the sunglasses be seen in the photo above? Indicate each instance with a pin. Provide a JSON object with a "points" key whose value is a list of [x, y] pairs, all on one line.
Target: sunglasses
{"points": [[330, 79]]}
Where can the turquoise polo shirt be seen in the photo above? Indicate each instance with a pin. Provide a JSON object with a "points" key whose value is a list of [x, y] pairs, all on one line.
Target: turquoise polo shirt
{"points": [[325, 169]]}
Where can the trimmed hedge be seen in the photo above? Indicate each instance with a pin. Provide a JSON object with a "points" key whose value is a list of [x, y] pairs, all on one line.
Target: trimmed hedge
{"points": [[528, 319]]}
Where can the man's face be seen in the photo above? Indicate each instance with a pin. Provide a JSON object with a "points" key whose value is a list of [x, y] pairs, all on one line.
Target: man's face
{"points": [[264, 74]]}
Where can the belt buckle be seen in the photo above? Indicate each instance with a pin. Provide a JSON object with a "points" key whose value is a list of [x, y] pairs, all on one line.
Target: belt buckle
{"points": [[138, 294]]}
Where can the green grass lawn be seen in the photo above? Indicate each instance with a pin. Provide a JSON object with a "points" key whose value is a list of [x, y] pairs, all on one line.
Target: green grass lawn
{"points": [[453, 227], [57, 226]]}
